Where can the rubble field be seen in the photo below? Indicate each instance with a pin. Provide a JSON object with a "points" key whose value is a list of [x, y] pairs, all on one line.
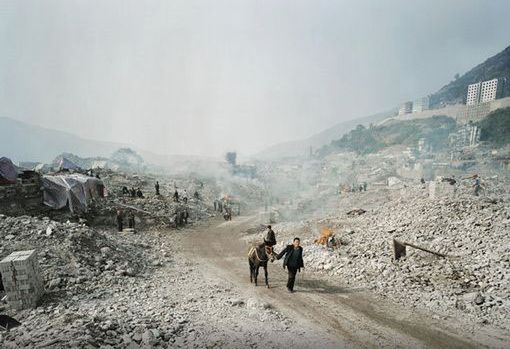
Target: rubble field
{"points": [[472, 282]]}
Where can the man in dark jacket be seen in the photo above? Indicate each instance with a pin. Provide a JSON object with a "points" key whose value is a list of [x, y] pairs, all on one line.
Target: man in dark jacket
{"points": [[293, 261], [270, 238], [120, 219]]}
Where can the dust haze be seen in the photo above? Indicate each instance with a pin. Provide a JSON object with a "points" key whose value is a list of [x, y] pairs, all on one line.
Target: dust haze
{"points": [[195, 78]]}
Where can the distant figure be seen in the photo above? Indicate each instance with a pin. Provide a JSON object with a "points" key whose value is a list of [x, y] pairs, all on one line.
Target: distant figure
{"points": [[185, 196], [100, 189], [183, 217], [364, 186], [131, 220], [220, 205], [360, 188], [125, 190], [133, 192], [215, 205], [139, 193], [176, 196], [293, 261], [178, 218], [227, 213], [196, 195], [477, 185], [120, 220], [422, 180], [270, 238], [186, 216], [97, 176], [157, 187]]}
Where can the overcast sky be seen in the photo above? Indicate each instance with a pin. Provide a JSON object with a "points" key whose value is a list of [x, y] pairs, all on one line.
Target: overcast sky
{"points": [[202, 77]]}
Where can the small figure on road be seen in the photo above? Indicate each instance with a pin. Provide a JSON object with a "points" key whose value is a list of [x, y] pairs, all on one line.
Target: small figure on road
{"points": [[156, 186], [176, 196], [293, 261], [139, 193]]}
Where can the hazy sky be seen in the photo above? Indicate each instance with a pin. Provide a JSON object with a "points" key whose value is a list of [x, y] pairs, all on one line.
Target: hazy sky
{"points": [[202, 77]]}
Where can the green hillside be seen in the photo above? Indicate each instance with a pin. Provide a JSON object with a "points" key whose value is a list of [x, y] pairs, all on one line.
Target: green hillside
{"points": [[363, 140]]}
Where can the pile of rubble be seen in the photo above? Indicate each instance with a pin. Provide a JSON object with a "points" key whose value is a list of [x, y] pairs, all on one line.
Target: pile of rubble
{"points": [[73, 256], [471, 231]]}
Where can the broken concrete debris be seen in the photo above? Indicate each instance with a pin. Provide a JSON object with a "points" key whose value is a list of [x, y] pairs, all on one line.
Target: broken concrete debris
{"points": [[472, 231]]}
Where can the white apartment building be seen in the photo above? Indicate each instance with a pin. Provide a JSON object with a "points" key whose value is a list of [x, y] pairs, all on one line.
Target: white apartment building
{"points": [[488, 90], [473, 94]]}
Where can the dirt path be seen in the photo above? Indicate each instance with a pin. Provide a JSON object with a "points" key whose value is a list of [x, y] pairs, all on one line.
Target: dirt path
{"points": [[353, 317]]}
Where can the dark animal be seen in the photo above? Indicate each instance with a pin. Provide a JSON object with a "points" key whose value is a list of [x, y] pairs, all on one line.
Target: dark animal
{"points": [[258, 256]]}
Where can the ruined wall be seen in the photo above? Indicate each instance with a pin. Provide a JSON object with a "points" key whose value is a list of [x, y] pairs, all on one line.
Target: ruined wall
{"points": [[18, 199]]}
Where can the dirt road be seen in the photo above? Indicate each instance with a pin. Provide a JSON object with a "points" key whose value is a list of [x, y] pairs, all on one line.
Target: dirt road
{"points": [[352, 317]]}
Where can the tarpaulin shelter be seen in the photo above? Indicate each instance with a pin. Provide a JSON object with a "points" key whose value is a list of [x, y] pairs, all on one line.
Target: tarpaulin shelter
{"points": [[74, 190], [8, 172]]}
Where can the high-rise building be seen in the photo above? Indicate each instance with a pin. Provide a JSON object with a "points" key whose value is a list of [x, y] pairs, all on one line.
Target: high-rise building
{"points": [[421, 104], [482, 92], [405, 108], [488, 90], [473, 94]]}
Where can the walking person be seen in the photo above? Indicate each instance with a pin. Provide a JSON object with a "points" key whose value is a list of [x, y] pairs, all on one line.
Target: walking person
{"points": [[131, 220], [293, 261], [477, 185], [157, 187], [120, 220]]}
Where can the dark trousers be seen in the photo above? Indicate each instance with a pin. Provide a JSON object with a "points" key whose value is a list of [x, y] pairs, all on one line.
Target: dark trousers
{"points": [[292, 277]]}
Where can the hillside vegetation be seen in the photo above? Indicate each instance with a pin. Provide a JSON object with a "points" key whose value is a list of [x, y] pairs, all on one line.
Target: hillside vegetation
{"points": [[363, 140], [495, 128]]}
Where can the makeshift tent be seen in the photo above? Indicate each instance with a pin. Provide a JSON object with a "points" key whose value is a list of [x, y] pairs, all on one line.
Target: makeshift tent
{"points": [[8, 172], [75, 191], [66, 164]]}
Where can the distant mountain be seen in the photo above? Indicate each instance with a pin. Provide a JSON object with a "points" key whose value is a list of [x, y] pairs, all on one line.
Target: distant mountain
{"points": [[497, 66], [302, 146], [24, 142]]}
